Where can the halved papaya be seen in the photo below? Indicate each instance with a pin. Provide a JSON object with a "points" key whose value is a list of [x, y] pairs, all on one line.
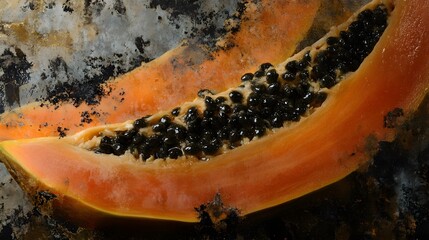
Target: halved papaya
{"points": [[265, 32], [331, 120]]}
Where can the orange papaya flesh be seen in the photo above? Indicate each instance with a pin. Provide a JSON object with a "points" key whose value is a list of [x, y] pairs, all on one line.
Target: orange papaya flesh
{"points": [[178, 74], [321, 148], [262, 103]]}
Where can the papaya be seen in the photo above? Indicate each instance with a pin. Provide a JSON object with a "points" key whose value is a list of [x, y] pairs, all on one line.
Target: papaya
{"points": [[176, 75], [283, 132]]}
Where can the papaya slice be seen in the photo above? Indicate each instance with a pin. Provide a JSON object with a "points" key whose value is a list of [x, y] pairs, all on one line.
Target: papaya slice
{"points": [[178, 74], [321, 114]]}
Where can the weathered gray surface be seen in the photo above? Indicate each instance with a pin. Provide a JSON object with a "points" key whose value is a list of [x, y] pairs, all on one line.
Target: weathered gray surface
{"points": [[50, 42]]}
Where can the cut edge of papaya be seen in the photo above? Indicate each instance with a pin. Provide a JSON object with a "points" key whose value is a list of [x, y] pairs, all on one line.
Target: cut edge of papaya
{"points": [[321, 149]]}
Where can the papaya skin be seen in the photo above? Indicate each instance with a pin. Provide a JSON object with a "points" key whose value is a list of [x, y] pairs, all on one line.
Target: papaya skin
{"points": [[322, 148], [178, 74]]}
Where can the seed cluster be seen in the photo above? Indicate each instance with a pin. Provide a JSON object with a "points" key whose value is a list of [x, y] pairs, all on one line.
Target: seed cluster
{"points": [[264, 101], [343, 53]]}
